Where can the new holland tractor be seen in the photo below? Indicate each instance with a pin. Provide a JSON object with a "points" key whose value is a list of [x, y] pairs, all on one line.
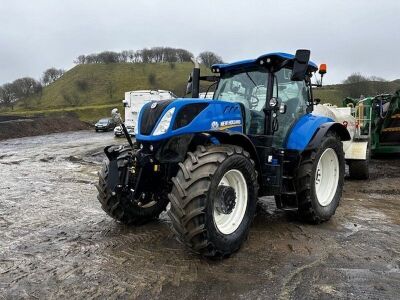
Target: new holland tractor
{"points": [[211, 159]]}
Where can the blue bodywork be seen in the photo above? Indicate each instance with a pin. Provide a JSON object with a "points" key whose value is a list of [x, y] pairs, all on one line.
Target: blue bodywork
{"points": [[248, 63], [218, 115], [223, 115], [303, 131]]}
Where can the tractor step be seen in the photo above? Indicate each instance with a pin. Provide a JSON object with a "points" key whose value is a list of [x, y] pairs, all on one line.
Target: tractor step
{"points": [[292, 209], [396, 116], [289, 193]]}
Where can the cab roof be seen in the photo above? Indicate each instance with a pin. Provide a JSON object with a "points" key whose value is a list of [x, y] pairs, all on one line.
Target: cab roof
{"points": [[275, 57]]}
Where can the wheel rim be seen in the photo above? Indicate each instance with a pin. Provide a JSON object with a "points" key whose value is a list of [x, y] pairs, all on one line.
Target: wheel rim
{"points": [[227, 223], [327, 177]]}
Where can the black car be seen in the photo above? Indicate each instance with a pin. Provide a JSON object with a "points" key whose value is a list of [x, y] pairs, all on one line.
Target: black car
{"points": [[104, 125]]}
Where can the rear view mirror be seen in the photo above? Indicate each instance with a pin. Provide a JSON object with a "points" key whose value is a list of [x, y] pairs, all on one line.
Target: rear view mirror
{"points": [[300, 65]]}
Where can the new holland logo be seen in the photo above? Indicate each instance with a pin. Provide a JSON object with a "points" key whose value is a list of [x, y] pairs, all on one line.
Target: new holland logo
{"points": [[214, 125], [153, 105], [225, 124]]}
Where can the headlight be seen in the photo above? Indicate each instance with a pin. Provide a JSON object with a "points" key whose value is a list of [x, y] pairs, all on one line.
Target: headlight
{"points": [[165, 122]]}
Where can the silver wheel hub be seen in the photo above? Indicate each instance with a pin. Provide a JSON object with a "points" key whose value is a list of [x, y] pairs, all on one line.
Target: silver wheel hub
{"points": [[230, 203], [327, 177]]}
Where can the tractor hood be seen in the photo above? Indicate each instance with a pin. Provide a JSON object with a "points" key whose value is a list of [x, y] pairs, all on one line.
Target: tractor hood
{"points": [[160, 120]]}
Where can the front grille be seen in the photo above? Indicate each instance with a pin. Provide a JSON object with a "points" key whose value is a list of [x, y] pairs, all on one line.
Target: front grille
{"points": [[150, 116]]}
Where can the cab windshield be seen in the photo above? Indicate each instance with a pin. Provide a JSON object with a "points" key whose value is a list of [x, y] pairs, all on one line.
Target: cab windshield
{"points": [[249, 89]]}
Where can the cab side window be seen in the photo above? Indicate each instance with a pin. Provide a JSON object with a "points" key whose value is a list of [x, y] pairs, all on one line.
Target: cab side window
{"points": [[295, 95]]}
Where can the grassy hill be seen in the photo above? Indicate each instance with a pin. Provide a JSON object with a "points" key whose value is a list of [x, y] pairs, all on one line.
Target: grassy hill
{"points": [[90, 91]]}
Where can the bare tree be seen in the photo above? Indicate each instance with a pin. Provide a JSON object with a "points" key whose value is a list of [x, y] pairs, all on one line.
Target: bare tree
{"points": [[25, 87], [80, 60], [355, 78], [7, 94], [357, 85], [51, 75], [209, 58], [108, 57], [131, 55], [183, 55], [123, 56]]}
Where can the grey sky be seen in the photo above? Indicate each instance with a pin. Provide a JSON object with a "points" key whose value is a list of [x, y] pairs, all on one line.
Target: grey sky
{"points": [[349, 36]]}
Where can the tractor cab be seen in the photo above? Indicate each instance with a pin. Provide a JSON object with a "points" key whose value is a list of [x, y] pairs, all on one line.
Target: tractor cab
{"points": [[252, 82]]}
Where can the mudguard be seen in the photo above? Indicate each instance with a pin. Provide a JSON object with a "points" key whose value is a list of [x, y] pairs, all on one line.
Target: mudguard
{"points": [[323, 129], [309, 130]]}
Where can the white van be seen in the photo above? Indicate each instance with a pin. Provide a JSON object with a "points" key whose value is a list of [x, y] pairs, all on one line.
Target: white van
{"points": [[133, 103]]}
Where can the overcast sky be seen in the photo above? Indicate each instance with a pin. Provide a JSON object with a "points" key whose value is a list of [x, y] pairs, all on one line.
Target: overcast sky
{"points": [[350, 36]]}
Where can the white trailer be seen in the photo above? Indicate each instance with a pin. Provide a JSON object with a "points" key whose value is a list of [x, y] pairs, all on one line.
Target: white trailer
{"points": [[356, 150], [133, 103]]}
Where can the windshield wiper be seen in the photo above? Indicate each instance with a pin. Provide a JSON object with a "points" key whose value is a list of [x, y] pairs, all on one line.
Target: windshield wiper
{"points": [[251, 79]]}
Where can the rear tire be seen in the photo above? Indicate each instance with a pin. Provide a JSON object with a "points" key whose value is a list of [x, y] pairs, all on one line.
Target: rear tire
{"points": [[358, 169], [319, 181], [121, 207], [213, 199]]}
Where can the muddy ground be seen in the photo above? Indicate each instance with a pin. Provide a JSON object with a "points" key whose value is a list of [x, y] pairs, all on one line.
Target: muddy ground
{"points": [[56, 242]]}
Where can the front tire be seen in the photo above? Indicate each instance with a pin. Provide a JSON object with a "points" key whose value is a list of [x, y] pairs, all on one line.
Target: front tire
{"points": [[213, 199], [320, 179]]}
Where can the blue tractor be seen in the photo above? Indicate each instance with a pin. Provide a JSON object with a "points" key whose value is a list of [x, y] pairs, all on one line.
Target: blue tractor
{"points": [[211, 159]]}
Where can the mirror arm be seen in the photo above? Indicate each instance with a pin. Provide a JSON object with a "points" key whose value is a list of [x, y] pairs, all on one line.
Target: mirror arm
{"points": [[209, 78], [118, 119], [126, 133]]}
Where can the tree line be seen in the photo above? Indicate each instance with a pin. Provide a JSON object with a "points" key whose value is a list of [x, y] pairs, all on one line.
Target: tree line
{"points": [[357, 85], [23, 88], [151, 55]]}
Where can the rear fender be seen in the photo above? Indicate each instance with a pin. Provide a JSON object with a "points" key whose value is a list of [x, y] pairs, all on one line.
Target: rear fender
{"points": [[304, 130], [338, 128]]}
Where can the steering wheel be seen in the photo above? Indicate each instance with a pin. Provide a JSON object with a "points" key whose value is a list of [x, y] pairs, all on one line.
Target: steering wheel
{"points": [[253, 103]]}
